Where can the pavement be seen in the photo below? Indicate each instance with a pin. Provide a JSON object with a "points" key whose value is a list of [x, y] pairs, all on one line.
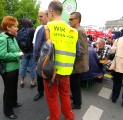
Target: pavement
{"points": [[96, 103]]}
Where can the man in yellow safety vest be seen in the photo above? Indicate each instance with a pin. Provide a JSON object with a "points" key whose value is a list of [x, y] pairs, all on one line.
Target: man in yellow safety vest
{"points": [[65, 40]]}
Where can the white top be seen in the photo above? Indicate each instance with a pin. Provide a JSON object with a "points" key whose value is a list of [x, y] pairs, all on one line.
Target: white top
{"points": [[34, 38]]}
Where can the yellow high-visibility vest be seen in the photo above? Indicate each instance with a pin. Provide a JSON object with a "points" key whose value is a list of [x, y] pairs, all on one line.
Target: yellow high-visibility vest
{"points": [[65, 39]]}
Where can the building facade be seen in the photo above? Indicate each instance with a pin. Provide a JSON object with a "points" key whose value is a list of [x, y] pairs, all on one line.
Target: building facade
{"points": [[114, 24]]}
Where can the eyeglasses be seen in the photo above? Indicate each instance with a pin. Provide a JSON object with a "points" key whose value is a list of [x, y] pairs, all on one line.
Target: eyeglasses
{"points": [[71, 19]]}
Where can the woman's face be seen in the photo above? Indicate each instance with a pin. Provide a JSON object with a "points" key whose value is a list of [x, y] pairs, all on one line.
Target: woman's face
{"points": [[13, 29]]}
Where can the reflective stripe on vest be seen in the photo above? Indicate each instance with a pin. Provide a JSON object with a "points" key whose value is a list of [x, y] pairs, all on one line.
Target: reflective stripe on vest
{"points": [[64, 38], [64, 53], [64, 64]]}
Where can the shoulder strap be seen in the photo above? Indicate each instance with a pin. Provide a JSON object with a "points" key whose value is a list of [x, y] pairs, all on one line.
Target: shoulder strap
{"points": [[47, 32]]}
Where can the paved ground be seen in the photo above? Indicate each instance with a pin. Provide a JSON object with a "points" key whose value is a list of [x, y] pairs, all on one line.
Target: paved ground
{"points": [[96, 104]]}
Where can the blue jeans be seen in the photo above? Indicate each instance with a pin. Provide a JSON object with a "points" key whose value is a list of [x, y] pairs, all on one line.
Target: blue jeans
{"points": [[26, 59]]}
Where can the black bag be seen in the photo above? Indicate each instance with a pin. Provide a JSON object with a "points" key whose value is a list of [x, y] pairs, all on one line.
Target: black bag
{"points": [[2, 68], [23, 39]]}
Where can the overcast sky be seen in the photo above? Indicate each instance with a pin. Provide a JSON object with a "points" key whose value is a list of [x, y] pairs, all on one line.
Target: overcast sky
{"points": [[96, 12]]}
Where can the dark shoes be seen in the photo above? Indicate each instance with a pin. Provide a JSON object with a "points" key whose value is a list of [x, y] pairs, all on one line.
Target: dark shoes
{"points": [[17, 105], [75, 106], [114, 101], [22, 85], [11, 116], [33, 85], [38, 96]]}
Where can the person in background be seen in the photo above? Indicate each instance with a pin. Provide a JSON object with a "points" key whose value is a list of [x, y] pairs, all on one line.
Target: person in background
{"points": [[94, 70], [102, 52], [109, 43], [101, 49], [90, 38], [28, 55], [10, 54], [81, 62], [43, 17], [117, 67]]}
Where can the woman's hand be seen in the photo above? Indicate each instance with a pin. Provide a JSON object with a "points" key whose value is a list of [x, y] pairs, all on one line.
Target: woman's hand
{"points": [[21, 54]]}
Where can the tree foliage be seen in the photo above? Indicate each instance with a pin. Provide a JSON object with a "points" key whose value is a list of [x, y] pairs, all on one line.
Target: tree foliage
{"points": [[11, 6], [3, 12], [19, 9]]}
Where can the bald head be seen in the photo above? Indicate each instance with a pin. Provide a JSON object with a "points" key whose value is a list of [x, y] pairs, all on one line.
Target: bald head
{"points": [[43, 16], [42, 11]]}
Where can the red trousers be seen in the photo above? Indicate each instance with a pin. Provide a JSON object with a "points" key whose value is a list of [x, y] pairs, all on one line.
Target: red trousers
{"points": [[61, 88]]}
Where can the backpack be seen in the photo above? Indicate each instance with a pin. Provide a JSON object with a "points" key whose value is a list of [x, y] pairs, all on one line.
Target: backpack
{"points": [[46, 63], [23, 39]]}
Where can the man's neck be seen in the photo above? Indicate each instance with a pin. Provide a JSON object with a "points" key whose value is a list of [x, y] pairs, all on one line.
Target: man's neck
{"points": [[57, 18], [77, 25]]}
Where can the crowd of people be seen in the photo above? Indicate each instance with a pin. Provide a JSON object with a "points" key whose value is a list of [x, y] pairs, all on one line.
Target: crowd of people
{"points": [[85, 59]]}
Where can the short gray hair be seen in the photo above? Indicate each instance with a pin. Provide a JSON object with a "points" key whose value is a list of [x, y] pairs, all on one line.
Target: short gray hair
{"points": [[101, 40]]}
